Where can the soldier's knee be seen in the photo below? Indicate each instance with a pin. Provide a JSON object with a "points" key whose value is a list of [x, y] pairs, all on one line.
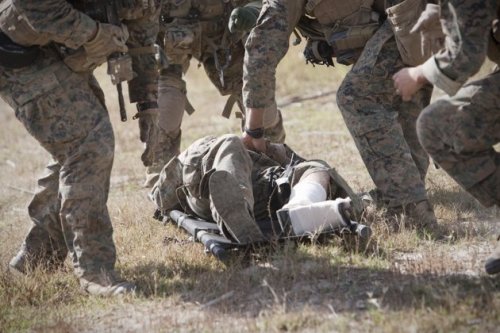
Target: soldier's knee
{"points": [[431, 124]]}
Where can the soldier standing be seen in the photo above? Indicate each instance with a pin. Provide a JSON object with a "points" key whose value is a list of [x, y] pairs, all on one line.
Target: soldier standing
{"points": [[464, 146], [372, 35], [48, 52], [199, 30]]}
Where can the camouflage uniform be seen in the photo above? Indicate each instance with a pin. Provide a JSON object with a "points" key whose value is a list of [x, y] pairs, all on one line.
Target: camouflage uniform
{"points": [[183, 183], [459, 131], [204, 36], [382, 125], [65, 112]]}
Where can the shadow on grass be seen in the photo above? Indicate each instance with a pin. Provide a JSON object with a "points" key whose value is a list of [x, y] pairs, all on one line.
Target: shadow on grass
{"points": [[291, 280]]}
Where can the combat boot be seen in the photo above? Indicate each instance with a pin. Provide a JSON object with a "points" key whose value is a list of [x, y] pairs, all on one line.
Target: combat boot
{"points": [[106, 284], [27, 260], [421, 215], [418, 215], [168, 147], [492, 265], [232, 210]]}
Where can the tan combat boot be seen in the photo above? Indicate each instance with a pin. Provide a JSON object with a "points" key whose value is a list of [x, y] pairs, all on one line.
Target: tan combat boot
{"points": [[419, 216], [232, 212], [106, 284]]}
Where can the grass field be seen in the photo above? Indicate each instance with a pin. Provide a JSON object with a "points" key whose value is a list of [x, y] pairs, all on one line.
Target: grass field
{"points": [[403, 283]]}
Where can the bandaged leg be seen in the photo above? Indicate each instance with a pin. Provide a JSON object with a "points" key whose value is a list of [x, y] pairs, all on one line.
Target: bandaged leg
{"points": [[315, 217], [305, 193], [307, 212]]}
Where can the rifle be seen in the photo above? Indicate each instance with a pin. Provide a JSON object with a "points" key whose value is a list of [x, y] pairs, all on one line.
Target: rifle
{"points": [[118, 62]]}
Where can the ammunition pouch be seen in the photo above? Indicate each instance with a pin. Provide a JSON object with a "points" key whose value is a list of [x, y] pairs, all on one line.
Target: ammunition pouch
{"points": [[182, 40], [13, 55], [347, 26], [348, 42], [402, 18]]}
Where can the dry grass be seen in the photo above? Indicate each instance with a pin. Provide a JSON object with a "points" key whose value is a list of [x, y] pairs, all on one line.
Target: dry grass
{"points": [[402, 283]]}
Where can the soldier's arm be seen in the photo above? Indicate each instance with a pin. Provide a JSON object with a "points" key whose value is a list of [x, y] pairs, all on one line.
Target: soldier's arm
{"points": [[143, 26], [467, 25], [266, 45], [57, 20]]}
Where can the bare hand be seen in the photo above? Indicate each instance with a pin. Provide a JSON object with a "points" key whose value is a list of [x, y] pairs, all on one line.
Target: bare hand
{"points": [[258, 145], [408, 81]]}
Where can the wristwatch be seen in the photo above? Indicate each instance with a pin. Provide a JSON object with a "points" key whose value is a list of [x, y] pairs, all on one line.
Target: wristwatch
{"points": [[256, 133]]}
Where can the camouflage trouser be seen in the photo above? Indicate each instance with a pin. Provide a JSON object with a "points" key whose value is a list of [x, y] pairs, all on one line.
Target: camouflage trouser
{"points": [[210, 154], [382, 125], [459, 133], [65, 112]]}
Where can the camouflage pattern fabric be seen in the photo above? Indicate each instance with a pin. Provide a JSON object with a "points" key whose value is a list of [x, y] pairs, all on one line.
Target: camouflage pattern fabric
{"points": [[65, 112], [184, 181], [266, 45], [382, 125], [464, 147], [467, 25], [200, 38]]}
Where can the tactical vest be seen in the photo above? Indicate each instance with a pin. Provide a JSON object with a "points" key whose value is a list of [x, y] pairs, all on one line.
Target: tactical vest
{"points": [[192, 26], [346, 25]]}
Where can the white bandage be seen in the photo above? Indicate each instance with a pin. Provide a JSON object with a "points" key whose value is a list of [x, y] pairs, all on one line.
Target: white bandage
{"points": [[305, 193], [317, 217]]}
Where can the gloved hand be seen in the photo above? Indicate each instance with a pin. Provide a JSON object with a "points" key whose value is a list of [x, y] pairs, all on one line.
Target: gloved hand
{"points": [[108, 39], [243, 19], [429, 26], [148, 133]]}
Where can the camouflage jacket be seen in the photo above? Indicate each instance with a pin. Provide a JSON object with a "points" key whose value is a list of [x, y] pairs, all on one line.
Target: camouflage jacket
{"points": [[198, 29], [58, 21], [268, 42], [467, 25]]}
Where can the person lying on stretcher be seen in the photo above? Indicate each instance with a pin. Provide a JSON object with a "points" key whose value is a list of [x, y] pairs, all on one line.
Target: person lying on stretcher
{"points": [[255, 197]]}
